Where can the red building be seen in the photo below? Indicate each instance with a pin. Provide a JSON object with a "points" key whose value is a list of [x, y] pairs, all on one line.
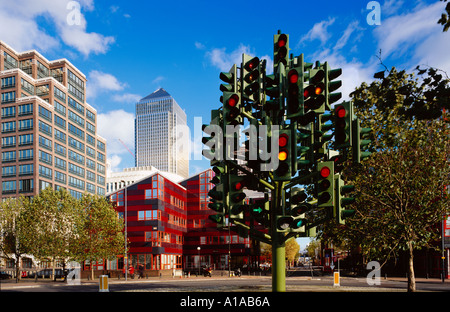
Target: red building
{"points": [[168, 227], [155, 213], [204, 244]]}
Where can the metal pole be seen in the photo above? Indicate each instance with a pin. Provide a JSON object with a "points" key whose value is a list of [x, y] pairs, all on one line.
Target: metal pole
{"points": [[125, 259], [278, 246], [443, 250]]}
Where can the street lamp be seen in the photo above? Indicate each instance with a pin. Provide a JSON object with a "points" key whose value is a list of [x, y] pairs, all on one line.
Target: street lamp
{"points": [[125, 259]]}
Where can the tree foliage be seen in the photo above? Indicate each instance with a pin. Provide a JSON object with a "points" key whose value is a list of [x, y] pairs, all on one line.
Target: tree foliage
{"points": [[400, 188], [56, 226], [445, 20]]}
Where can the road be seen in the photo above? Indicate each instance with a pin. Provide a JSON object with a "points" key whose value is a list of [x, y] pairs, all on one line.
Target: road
{"points": [[228, 284]]}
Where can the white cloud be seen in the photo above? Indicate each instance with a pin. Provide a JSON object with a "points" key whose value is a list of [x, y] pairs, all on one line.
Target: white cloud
{"points": [[400, 33], [114, 126], [319, 32], [99, 82], [224, 61], [21, 17], [199, 45], [126, 97]]}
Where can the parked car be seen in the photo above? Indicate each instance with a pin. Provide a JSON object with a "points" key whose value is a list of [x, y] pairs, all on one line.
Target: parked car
{"points": [[4, 275]]}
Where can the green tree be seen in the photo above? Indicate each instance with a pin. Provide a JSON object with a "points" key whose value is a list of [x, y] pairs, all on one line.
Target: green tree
{"points": [[101, 236], [54, 218], [292, 250], [15, 240], [399, 189], [445, 20]]}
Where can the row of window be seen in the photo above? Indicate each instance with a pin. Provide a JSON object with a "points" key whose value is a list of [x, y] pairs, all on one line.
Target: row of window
{"points": [[27, 185]]}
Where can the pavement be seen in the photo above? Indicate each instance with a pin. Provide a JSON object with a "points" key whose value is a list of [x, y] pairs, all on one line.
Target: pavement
{"points": [[293, 284]]}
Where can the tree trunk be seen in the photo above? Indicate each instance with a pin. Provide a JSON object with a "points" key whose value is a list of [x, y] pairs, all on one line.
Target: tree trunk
{"points": [[411, 277], [53, 269]]}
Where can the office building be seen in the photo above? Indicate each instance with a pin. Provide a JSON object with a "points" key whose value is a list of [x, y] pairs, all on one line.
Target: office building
{"points": [[49, 133], [161, 136]]}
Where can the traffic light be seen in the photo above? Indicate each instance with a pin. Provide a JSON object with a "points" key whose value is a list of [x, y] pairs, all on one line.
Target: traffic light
{"points": [[360, 141], [236, 196], [314, 93], [303, 149], [230, 80], [343, 115], [231, 109], [322, 135], [273, 106], [283, 172], [332, 85], [251, 78], [325, 184], [214, 140], [259, 210], [294, 86], [280, 51], [218, 204], [297, 209], [341, 190]]}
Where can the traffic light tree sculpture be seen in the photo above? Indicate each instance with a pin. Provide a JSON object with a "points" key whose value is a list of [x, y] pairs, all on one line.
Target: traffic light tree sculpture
{"points": [[289, 114]]}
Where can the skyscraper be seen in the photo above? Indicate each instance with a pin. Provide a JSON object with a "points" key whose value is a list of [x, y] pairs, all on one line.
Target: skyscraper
{"points": [[49, 133], [161, 134]]}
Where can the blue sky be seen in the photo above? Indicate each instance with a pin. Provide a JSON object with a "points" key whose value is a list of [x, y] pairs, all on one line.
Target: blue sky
{"points": [[128, 49]]}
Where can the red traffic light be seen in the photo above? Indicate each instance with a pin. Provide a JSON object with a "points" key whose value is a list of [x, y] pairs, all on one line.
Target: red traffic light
{"points": [[340, 111], [325, 172], [238, 186], [252, 64], [283, 140], [282, 40], [233, 100], [293, 76]]}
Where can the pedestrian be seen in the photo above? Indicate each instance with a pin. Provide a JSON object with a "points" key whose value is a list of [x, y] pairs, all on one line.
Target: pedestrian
{"points": [[131, 270], [141, 271]]}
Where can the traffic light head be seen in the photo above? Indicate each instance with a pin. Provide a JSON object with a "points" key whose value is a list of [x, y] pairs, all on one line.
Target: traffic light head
{"points": [[236, 196], [251, 78], [314, 93], [214, 140], [332, 85], [294, 86], [341, 212], [280, 51], [325, 184], [231, 109], [360, 141], [230, 80], [343, 115], [283, 172]]}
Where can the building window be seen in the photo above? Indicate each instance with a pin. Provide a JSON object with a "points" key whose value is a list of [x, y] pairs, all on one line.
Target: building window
{"points": [[8, 112], [26, 185], [8, 97], [149, 215], [25, 109], [9, 187], [9, 171], [27, 169], [8, 82]]}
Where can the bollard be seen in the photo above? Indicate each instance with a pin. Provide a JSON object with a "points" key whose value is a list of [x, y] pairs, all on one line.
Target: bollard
{"points": [[103, 284]]}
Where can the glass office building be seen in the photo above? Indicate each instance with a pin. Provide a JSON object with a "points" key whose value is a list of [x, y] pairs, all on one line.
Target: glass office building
{"points": [[161, 135], [49, 133]]}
